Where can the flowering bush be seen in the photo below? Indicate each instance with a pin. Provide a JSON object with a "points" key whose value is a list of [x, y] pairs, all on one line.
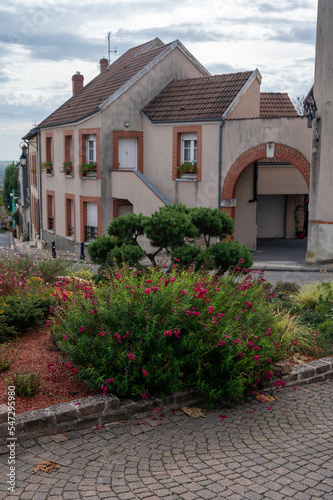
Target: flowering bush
{"points": [[142, 333], [24, 299]]}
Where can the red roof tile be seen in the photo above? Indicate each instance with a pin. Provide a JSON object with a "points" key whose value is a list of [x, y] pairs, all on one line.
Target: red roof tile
{"points": [[192, 99], [90, 97], [276, 105]]}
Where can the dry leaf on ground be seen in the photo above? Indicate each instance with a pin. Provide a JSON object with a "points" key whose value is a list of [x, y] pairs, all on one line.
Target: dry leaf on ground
{"points": [[193, 412], [46, 466]]}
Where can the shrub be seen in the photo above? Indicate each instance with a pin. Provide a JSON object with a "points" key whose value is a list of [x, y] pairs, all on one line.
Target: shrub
{"points": [[26, 382], [190, 255], [144, 333], [6, 357], [126, 253], [229, 254], [286, 290], [22, 310], [100, 248], [50, 270]]}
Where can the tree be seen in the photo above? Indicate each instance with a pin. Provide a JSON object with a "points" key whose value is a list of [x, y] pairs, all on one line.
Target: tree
{"points": [[298, 104], [10, 183], [172, 228]]}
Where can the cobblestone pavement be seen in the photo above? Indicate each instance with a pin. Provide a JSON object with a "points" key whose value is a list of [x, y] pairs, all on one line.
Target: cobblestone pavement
{"points": [[274, 450]]}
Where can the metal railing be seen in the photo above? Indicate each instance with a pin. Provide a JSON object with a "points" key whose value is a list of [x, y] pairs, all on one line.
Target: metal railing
{"points": [[90, 233], [51, 222]]}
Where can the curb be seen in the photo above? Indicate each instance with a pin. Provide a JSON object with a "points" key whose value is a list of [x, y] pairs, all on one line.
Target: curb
{"points": [[82, 413], [308, 373], [98, 410]]}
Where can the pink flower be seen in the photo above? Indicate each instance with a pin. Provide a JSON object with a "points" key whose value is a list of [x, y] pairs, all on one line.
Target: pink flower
{"points": [[92, 312], [131, 356], [147, 291], [101, 334], [145, 373], [211, 309], [184, 292], [148, 281], [47, 323], [81, 329], [178, 260], [256, 357], [248, 305], [65, 337]]}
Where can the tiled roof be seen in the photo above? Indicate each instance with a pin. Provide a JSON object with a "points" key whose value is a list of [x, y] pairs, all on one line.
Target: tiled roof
{"points": [[193, 99], [276, 105], [90, 97]]}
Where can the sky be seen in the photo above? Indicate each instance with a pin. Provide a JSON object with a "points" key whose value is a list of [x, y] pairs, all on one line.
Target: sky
{"points": [[44, 42]]}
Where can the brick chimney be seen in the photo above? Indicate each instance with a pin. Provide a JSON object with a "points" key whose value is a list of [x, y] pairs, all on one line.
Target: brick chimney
{"points": [[103, 64], [77, 82]]}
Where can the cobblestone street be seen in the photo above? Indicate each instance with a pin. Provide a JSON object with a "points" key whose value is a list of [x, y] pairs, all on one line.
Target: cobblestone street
{"points": [[274, 450]]}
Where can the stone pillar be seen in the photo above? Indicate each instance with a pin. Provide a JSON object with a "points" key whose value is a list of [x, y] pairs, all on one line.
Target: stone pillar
{"points": [[320, 229]]}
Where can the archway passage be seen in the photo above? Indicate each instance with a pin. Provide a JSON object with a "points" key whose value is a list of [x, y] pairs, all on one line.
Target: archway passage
{"points": [[262, 189], [281, 151]]}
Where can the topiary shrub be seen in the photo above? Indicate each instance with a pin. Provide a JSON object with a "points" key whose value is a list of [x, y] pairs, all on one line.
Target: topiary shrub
{"points": [[230, 254]]}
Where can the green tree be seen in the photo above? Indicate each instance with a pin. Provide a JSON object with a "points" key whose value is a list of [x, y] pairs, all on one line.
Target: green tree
{"points": [[10, 183], [172, 228], [212, 223]]}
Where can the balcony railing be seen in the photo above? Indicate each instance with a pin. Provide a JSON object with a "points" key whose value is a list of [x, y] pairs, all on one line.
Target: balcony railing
{"points": [[51, 222], [90, 233]]}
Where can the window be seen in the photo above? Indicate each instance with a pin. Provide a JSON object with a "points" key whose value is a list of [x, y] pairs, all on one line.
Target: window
{"points": [[91, 149], [90, 230], [90, 217], [68, 148], [50, 211], [49, 149], [70, 216], [89, 153], [189, 148]]}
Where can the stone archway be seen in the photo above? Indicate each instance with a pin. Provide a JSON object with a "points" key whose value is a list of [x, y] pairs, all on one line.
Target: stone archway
{"points": [[281, 151], [270, 150]]}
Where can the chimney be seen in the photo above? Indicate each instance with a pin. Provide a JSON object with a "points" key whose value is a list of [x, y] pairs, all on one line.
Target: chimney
{"points": [[103, 64], [77, 82]]}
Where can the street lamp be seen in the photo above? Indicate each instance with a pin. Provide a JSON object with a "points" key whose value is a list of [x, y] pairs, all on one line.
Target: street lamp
{"points": [[23, 159]]}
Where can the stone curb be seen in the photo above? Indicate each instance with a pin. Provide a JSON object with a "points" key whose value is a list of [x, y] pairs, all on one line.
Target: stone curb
{"points": [[98, 410], [315, 371], [82, 413]]}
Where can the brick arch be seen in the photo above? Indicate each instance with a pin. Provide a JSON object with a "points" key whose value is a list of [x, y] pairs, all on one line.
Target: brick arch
{"points": [[281, 151]]}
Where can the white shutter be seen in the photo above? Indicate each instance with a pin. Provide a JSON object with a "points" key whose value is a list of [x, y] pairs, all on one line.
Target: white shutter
{"points": [[92, 214]]}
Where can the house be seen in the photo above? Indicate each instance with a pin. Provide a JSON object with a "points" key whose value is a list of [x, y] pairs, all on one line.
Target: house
{"points": [[115, 146]]}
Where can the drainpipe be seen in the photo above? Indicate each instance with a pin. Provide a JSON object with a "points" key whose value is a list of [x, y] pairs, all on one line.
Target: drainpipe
{"points": [[220, 163], [40, 186]]}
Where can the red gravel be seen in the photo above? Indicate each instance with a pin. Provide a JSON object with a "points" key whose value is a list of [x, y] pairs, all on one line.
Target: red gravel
{"points": [[36, 351]]}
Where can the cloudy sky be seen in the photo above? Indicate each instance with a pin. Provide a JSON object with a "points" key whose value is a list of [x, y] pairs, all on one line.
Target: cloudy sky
{"points": [[44, 42]]}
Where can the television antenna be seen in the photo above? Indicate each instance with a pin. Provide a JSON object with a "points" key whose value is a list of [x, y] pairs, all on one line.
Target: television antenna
{"points": [[109, 48]]}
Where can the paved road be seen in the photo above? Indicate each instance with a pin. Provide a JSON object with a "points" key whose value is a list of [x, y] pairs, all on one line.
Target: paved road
{"points": [[5, 241], [280, 450]]}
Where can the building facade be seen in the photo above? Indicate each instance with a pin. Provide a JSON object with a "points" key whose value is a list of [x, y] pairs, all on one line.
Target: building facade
{"points": [[116, 146]]}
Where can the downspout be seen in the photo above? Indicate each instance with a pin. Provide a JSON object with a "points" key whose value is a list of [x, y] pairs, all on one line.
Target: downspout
{"points": [[40, 185], [220, 164]]}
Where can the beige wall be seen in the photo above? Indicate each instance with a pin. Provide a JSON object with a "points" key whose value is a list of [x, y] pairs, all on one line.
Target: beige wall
{"points": [[61, 184], [245, 217], [127, 108], [143, 199], [249, 105], [281, 180]]}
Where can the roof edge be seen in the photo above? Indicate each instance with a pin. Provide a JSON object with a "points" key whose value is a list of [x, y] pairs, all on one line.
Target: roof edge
{"points": [[255, 75], [169, 48]]}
